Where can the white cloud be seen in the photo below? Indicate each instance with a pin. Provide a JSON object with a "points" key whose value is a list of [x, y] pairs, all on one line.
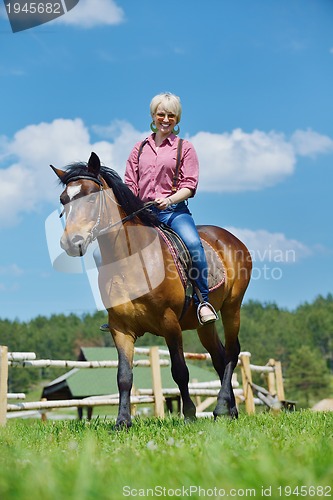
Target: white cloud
{"points": [[271, 247], [123, 136], [310, 143], [236, 161], [28, 180], [12, 287], [240, 161], [12, 270], [88, 14]]}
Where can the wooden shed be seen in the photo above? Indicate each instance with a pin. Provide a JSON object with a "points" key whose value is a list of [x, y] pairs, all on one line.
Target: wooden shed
{"points": [[81, 383]]}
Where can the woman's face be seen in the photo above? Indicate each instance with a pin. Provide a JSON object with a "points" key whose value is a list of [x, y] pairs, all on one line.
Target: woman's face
{"points": [[164, 120]]}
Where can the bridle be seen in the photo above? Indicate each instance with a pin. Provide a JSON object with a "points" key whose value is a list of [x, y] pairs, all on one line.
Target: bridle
{"points": [[94, 232]]}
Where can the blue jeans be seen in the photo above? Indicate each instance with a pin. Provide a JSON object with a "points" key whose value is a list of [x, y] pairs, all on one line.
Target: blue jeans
{"points": [[180, 219]]}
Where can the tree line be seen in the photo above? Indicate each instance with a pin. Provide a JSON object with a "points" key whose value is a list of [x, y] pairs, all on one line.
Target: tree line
{"points": [[301, 339]]}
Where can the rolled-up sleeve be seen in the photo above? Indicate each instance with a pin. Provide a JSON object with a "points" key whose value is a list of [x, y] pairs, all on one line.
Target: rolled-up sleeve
{"points": [[189, 169]]}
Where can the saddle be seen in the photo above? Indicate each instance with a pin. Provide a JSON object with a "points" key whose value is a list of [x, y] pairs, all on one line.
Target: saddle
{"points": [[179, 252], [183, 262]]}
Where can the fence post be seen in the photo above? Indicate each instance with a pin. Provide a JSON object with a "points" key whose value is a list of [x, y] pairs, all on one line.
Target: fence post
{"points": [[271, 382], [3, 384], [247, 382], [279, 381], [43, 415], [156, 381]]}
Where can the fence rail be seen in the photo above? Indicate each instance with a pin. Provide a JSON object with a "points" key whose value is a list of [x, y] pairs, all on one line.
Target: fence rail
{"points": [[156, 395], [59, 363]]}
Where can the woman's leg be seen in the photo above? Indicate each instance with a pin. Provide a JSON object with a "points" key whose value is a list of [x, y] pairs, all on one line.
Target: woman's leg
{"points": [[181, 221], [183, 224]]}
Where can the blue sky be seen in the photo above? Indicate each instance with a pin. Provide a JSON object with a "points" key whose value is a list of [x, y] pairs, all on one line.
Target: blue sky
{"points": [[255, 79]]}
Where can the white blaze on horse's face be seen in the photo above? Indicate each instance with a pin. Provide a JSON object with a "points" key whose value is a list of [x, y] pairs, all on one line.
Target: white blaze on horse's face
{"points": [[73, 191], [82, 207]]}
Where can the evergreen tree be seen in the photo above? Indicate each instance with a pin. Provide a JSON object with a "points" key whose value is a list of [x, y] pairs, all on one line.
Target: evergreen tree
{"points": [[267, 331], [307, 375]]}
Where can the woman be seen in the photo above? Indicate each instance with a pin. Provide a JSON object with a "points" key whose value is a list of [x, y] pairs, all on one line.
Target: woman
{"points": [[151, 175]]}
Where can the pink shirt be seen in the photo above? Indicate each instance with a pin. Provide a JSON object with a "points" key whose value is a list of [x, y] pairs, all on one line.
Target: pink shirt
{"points": [[152, 177]]}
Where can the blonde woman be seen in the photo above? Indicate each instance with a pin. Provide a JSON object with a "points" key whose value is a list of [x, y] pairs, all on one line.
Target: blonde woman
{"points": [[154, 173]]}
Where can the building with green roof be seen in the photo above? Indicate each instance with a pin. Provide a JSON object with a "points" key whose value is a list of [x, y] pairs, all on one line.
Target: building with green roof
{"points": [[84, 382]]}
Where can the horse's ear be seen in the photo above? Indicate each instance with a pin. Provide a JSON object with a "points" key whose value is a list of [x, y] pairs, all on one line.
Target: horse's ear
{"points": [[94, 164], [59, 173]]}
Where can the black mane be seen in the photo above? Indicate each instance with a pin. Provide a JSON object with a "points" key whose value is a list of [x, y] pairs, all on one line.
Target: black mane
{"points": [[125, 197]]}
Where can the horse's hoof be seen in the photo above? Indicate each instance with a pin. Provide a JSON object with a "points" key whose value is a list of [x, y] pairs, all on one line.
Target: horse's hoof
{"points": [[223, 410], [123, 425], [234, 413], [190, 420], [190, 413]]}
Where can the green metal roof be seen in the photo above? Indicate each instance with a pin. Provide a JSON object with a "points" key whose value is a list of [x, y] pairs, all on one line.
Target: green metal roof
{"points": [[100, 381]]}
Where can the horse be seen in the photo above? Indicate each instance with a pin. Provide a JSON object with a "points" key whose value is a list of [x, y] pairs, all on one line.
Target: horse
{"points": [[140, 284]]}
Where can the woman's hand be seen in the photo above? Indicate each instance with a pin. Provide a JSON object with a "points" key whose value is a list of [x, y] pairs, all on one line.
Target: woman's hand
{"points": [[181, 195], [162, 203]]}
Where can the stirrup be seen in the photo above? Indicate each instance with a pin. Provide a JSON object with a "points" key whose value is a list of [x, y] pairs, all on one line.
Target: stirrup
{"points": [[207, 318]]}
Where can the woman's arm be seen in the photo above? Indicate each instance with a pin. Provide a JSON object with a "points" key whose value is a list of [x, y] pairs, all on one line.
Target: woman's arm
{"points": [[181, 195], [131, 177]]}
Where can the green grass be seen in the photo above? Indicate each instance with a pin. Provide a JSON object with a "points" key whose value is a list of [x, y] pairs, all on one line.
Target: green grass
{"points": [[80, 460]]}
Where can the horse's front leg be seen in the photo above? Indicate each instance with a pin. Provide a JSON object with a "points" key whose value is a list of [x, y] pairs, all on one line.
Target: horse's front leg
{"points": [[125, 347], [180, 372]]}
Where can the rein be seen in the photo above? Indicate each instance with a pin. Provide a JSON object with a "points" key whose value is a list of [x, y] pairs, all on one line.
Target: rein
{"points": [[102, 205]]}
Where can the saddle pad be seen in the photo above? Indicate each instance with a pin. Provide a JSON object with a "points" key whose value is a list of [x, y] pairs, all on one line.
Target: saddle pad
{"points": [[216, 274]]}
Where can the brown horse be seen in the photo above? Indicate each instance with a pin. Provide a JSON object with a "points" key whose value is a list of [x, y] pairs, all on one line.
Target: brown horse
{"points": [[140, 285]]}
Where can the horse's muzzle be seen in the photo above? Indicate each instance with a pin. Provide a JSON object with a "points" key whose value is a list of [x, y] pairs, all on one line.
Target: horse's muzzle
{"points": [[75, 246]]}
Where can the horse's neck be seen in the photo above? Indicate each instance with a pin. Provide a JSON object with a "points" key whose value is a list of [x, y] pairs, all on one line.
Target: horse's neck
{"points": [[122, 239], [127, 241]]}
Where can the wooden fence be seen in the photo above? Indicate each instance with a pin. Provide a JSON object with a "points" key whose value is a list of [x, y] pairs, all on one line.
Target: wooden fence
{"points": [[250, 394]]}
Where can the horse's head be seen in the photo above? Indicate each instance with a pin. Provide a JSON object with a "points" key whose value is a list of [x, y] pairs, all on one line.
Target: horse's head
{"points": [[81, 200], [96, 202]]}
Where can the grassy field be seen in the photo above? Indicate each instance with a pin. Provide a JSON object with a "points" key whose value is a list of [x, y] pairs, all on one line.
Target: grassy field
{"points": [[279, 456]]}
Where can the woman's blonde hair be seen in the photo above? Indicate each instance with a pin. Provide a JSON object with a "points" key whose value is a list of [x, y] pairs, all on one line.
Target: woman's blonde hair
{"points": [[170, 102]]}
